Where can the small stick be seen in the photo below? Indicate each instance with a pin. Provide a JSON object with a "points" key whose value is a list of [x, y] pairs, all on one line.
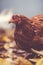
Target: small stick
{"points": [[37, 52], [34, 60]]}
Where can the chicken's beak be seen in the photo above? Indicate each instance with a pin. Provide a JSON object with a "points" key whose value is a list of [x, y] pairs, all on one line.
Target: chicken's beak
{"points": [[11, 21]]}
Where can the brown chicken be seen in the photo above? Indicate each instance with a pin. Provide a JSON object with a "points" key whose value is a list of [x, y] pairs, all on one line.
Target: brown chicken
{"points": [[29, 32]]}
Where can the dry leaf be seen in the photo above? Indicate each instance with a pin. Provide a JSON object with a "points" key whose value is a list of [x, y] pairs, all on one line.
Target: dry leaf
{"points": [[40, 62], [22, 61], [6, 46], [6, 39], [4, 62]]}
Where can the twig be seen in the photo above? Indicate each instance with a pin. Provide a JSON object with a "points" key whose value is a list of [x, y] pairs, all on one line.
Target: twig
{"points": [[34, 60], [37, 52]]}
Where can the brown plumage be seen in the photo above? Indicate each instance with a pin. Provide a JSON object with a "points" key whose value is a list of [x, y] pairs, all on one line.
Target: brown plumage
{"points": [[29, 32]]}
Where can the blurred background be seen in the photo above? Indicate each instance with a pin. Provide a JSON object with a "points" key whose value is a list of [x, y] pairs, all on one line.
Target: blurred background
{"points": [[28, 8]]}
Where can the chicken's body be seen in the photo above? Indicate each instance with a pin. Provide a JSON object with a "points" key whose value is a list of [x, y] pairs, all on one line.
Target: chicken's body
{"points": [[27, 33]]}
